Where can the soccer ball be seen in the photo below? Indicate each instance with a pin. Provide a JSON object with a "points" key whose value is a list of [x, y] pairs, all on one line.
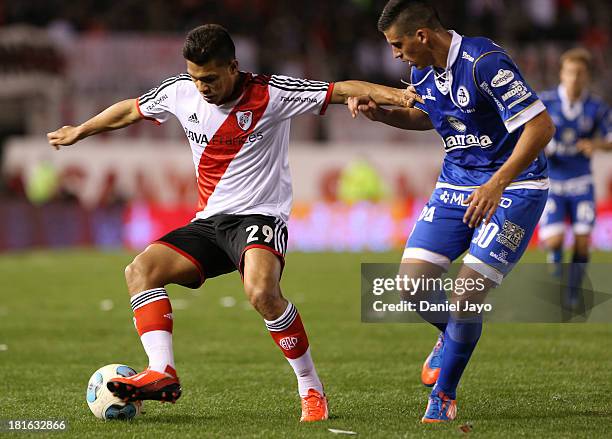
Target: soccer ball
{"points": [[102, 403]]}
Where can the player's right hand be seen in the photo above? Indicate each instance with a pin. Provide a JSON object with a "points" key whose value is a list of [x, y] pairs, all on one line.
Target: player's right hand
{"points": [[66, 135], [365, 105]]}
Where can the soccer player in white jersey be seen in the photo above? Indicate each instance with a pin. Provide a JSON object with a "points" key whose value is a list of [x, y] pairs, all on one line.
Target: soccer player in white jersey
{"points": [[493, 185], [237, 124]]}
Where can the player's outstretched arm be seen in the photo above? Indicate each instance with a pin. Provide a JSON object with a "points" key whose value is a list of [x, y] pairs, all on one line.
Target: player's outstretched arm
{"points": [[484, 201], [405, 118], [116, 116], [588, 146], [383, 95]]}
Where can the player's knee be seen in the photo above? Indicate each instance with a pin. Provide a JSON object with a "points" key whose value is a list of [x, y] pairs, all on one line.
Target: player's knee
{"points": [[264, 303], [581, 246], [140, 274], [262, 291], [554, 243], [134, 275]]}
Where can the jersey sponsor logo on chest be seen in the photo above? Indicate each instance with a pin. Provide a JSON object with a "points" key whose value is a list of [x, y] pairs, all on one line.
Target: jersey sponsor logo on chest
{"points": [[203, 139], [461, 141]]}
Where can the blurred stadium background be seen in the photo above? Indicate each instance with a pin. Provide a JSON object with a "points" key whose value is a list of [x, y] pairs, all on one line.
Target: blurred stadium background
{"points": [[357, 185]]}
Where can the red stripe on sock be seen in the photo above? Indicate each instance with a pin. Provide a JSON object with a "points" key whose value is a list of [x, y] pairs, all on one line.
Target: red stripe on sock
{"points": [[293, 341], [154, 316]]}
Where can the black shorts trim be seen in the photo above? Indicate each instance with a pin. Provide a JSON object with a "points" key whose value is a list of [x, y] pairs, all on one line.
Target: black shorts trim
{"points": [[188, 257], [278, 254]]}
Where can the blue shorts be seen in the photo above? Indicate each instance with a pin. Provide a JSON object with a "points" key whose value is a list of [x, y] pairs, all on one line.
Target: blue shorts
{"points": [[440, 236], [565, 203]]}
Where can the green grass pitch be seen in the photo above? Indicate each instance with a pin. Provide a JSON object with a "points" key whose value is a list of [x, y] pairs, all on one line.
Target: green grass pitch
{"points": [[525, 380]]}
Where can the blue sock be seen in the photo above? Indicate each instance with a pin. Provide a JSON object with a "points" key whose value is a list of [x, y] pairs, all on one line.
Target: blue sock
{"points": [[556, 257], [460, 340], [576, 274], [437, 318]]}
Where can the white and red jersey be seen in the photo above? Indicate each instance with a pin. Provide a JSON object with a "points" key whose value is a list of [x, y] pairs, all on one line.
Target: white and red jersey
{"points": [[240, 149]]}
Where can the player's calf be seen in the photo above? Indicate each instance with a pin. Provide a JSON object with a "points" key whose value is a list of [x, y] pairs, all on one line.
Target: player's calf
{"points": [[289, 334], [261, 274]]}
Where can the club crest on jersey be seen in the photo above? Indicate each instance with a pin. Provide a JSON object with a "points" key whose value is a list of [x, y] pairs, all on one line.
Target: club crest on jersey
{"points": [[245, 119], [503, 77], [456, 124], [463, 97]]}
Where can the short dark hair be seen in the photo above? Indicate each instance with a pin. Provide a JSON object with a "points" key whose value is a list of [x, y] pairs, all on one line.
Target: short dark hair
{"points": [[409, 15], [207, 43]]}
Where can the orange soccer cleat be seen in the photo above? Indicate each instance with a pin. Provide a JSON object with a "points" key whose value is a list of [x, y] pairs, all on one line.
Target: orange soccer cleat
{"points": [[146, 385], [440, 408], [314, 407], [431, 366]]}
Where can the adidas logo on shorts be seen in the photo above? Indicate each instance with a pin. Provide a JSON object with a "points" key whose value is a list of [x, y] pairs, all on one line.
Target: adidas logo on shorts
{"points": [[193, 118]]}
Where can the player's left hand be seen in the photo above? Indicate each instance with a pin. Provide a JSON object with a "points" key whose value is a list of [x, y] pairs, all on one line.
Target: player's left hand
{"points": [[585, 146], [483, 203], [411, 97]]}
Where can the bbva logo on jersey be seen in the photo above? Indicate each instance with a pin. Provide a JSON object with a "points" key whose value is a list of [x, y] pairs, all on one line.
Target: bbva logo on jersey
{"points": [[245, 119]]}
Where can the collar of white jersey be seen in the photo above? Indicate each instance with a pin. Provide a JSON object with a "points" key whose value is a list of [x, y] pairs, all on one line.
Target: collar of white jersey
{"points": [[571, 111], [453, 51]]}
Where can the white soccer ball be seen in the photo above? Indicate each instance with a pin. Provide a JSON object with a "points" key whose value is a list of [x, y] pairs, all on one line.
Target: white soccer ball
{"points": [[102, 403]]}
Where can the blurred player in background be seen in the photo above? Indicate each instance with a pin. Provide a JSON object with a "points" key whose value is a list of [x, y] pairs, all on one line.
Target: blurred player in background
{"points": [[237, 124], [493, 185], [583, 126]]}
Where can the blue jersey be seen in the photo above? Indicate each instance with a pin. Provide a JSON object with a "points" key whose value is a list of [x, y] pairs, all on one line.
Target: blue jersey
{"points": [[587, 118], [478, 105]]}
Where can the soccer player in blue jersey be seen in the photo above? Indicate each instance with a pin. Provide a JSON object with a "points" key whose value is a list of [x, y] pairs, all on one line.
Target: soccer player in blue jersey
{"points": [[583, 126], [493, 185]]}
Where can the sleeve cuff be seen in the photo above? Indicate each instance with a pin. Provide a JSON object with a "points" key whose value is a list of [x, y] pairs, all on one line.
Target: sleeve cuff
{"points": [[328, 96], [520, 119], [152, 119]]}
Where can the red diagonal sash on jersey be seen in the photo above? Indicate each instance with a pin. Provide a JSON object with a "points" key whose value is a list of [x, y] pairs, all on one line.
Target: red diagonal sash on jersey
{"points": [[228, 140]]}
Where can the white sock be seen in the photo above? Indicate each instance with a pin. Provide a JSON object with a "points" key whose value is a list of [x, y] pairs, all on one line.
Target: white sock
{"points": [[158, 346], [306, 374]]}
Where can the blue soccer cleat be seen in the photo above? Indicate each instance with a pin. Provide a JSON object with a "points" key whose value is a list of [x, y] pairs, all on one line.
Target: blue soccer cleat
{"points": [[431, 367], [440, 408]]}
